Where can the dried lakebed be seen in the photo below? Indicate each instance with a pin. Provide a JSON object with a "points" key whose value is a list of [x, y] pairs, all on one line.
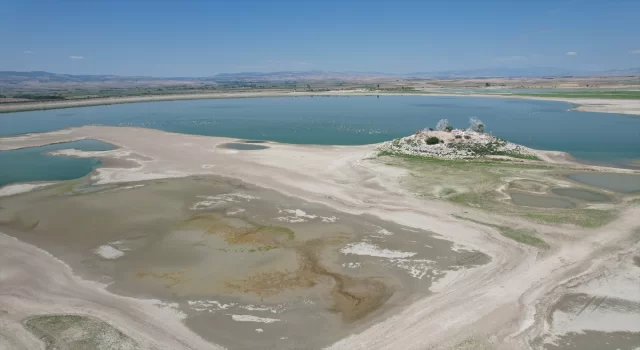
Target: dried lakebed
{"points": [[247, 267], [168, 254]]}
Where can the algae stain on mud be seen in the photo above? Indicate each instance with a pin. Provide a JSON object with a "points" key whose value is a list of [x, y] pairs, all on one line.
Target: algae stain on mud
{"points": [[237, 231], [169, 279], [353, 297], [250, 258]]}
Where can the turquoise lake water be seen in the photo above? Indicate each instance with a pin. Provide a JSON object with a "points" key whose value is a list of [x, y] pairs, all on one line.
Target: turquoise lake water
{"points": [[32, 164], [592, 137]]}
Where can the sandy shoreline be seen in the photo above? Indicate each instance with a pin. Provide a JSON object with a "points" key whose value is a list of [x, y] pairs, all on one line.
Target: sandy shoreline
{"points": [[621, 106], [502, 298]]}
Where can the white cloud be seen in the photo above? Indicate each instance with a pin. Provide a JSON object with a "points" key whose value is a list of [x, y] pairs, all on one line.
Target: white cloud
{"points": [[636, 52], [571, 53], [76, 57], [28, 52]]}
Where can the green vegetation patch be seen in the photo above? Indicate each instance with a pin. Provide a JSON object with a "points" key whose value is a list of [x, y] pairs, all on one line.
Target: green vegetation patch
{"points": [[525, 236], [433, 140], [475, 183], [518, 155], [452, 162], [40, 97], [459, 162], [78, 332], [589, 218]]}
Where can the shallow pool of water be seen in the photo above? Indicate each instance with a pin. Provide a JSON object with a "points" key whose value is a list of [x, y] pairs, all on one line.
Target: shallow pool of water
{"points": [[243, 146], [33, 164], [623, 183], [532, 200], [582, 194]]}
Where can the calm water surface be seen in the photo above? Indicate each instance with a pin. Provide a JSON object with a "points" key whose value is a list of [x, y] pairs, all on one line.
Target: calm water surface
{"points": [[611, 138], [33, 164], [623, 183]]}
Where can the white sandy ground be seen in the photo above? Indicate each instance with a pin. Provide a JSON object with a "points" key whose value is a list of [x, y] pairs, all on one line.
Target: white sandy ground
{"points": [[622, 286], [10, 190], [368, 249], [504, 301], [251, 318], [621, 106], [108, 252]]}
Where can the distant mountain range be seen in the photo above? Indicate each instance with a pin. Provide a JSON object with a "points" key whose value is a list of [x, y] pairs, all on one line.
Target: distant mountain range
{"points": [[12, 77], [505, 73], [34, 77]]}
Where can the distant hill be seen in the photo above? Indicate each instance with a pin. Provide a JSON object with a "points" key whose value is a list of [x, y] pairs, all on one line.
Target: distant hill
{"points": [[300, 75], [11, 78], [504, 73]]}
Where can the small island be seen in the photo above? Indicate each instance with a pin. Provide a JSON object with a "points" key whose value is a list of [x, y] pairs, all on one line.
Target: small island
{"points": [[447, 142]]}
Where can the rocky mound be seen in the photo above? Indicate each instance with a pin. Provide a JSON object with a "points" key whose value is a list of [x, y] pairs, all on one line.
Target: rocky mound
{"points": [[452, 144]]}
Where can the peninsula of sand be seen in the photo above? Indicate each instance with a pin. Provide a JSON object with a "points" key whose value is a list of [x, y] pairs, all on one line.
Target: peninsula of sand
{"points": [[193, 242]]}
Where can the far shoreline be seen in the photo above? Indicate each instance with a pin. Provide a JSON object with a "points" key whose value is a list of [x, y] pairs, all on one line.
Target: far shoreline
{"points": [[618, 106]]}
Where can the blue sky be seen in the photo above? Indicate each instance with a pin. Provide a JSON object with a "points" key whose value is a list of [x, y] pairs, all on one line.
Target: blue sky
{"points": [[201, 38]]}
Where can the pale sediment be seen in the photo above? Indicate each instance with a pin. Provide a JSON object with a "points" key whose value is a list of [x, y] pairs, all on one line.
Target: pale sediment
{"points": [[10, 190], [505, 297]]}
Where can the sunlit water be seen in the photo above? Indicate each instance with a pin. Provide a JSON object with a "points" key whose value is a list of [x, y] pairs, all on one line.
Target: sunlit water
{"points": [[33, 164], [591, 137]]}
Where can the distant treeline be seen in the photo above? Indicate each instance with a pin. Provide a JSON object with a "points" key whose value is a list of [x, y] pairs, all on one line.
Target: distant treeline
{"points": [[40, 97]]}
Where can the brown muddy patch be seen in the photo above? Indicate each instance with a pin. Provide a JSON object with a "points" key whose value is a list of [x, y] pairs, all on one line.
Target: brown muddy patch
{"points": [[353, 297], [169, 279], [216, 247], [236, 231]]}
